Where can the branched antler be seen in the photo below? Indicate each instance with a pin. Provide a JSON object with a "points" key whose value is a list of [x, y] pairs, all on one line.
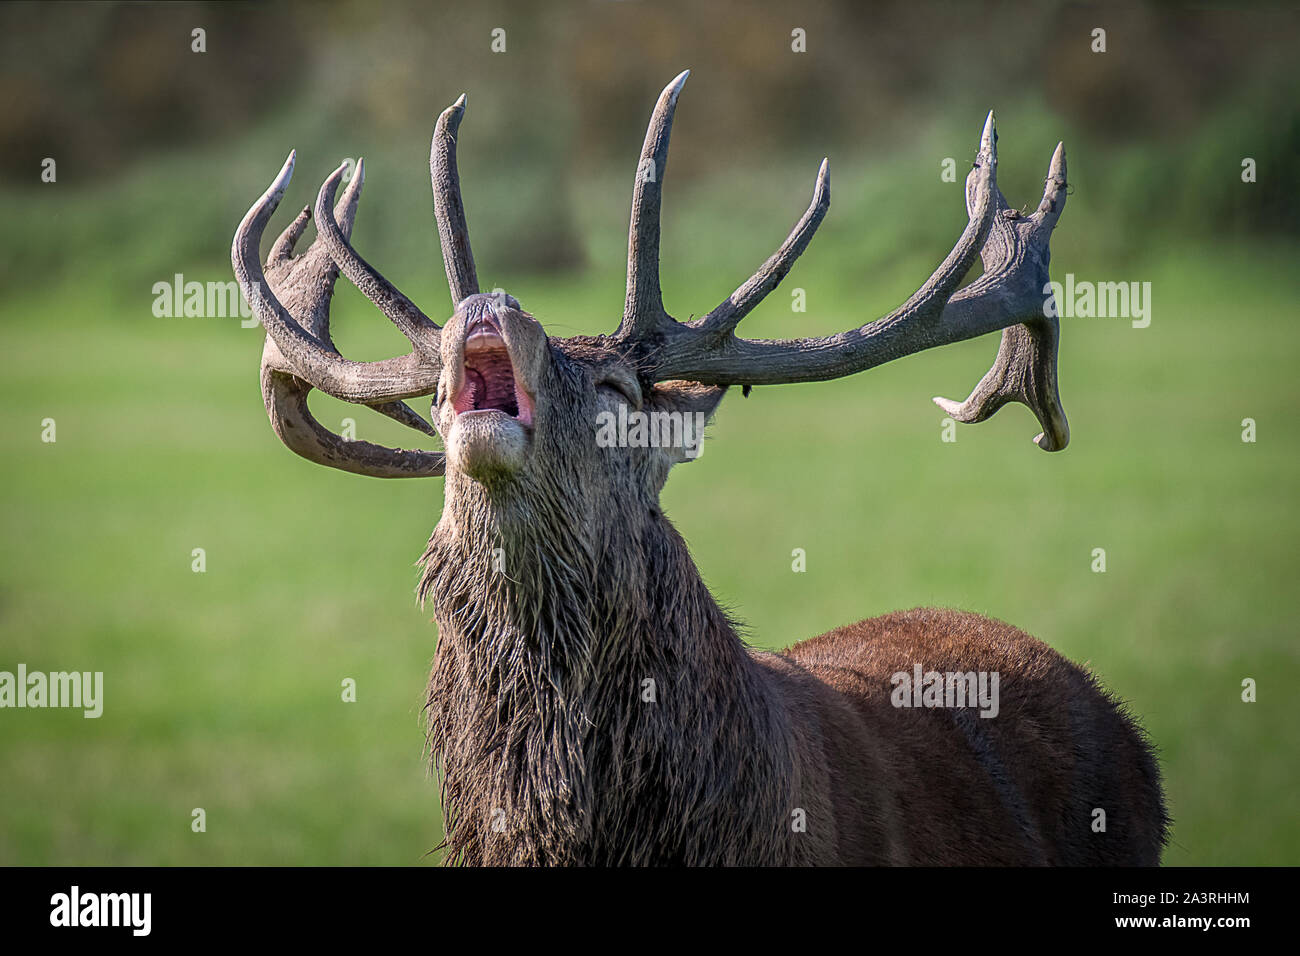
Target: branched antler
{"points": [[292, 300], [1009, 296], [1016, 253]]}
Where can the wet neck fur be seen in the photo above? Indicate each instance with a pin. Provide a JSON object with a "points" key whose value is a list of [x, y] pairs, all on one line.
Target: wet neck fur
{"points": [[587, 700]]}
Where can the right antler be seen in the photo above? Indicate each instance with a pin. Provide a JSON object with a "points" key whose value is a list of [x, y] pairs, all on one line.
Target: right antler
{"points": [[1009, 296], [292, 297]]}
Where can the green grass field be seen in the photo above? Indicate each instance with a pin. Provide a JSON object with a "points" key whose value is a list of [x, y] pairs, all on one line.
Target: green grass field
{"points": [[222, 689]]}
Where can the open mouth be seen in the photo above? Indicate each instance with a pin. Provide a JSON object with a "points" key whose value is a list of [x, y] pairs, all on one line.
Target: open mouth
{"points": [[490, 382]]}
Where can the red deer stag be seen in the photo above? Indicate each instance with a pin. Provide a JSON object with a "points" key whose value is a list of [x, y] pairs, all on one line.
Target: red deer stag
{"points": [[590, 702]]}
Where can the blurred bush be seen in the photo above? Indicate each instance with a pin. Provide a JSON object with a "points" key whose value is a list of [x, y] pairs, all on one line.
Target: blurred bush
{"points": [[174, 143], [108, 85]]}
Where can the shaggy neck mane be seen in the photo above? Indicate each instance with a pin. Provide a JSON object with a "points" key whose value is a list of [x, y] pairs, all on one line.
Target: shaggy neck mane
{"points": [[586, 702]]}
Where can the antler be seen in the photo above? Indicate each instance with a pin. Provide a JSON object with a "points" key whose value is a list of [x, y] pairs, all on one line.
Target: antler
{"points": [[448, 209], [292, 300], [1016, 255], [1009, 296]]}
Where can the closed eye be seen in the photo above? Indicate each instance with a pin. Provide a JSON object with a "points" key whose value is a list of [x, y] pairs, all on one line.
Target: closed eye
{"points": [[626, 389]]}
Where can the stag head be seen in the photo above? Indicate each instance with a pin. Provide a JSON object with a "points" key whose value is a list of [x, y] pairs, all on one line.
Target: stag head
{"points": [[517, 411]]}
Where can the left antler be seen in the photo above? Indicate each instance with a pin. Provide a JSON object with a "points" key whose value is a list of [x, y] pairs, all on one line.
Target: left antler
{"points": [[1009, 296]]}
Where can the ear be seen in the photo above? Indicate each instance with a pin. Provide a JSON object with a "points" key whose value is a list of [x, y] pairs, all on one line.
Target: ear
{"points": [[695, 404]]}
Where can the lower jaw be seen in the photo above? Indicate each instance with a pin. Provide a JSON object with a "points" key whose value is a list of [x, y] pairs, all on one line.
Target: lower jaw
{"points": [[487, 444]]}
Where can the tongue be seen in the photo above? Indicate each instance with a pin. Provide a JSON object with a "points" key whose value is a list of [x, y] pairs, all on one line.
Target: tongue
{"points": [[475, 380]]}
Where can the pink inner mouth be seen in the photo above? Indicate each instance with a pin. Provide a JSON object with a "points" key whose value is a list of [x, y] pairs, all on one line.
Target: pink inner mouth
{"points": [[490, 383]]}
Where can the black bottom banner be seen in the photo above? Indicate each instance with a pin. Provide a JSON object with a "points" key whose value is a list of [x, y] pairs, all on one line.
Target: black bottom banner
{"points": [[333, 905]]}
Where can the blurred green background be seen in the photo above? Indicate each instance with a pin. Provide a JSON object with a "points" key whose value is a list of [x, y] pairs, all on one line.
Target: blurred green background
{"points": [[222, 689]]}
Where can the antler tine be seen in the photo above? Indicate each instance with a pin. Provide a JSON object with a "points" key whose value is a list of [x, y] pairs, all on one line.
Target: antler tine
{"points": [[643, 308], [418, 328], [1054, 192], [1025, 369], [448, 209], [282, 248], [722, 321], [285, 396]]}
